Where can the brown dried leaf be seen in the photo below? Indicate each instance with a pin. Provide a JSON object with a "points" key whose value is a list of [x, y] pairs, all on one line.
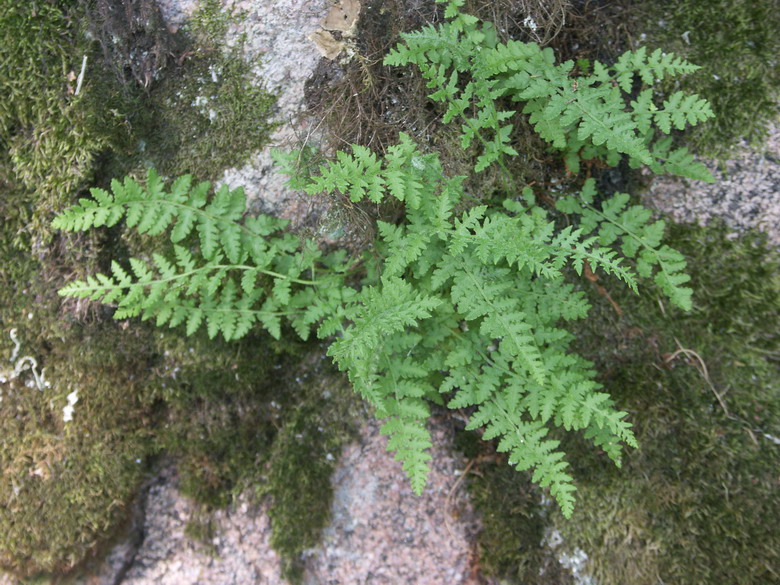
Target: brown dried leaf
{"points": [[326, 44], [342, 16]]}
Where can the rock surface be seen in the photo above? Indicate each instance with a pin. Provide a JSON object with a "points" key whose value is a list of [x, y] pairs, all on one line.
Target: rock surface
{"points": [[274, 40], [745, 193], [238, 553], [380, 532]]}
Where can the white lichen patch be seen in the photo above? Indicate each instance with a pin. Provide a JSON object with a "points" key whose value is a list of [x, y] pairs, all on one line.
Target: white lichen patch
{"points": [[21, 365], [67, 411], [574, 560]]}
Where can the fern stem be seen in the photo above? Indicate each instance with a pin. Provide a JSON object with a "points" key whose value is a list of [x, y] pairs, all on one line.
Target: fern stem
{"points": [[234, 311], [273, 274]]}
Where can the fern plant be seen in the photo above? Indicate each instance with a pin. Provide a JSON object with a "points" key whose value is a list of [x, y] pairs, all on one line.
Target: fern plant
{"points": [[604, 115], [456, 305]]}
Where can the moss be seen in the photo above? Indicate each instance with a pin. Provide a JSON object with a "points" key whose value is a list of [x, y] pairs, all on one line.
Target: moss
{"points": [[513, 527], [51, 134], [736, 45], [240, 416], [220, 422], [690, 506], [200, 114], [233, 425], [210, 23], [65, 486], [302, 460], [207, 117], [68, 484], [209, 113]]}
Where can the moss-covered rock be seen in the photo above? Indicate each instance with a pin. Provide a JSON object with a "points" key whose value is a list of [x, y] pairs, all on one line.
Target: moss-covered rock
{"points": [[209, 112], [690, 506], [73, 452], [205, 117], [132, 392], [511, 543], [736, 45], [220, 422], [59, 108], [324, 415]]}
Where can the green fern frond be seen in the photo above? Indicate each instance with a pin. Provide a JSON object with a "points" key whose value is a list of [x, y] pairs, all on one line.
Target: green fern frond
{"points": [[490, 284], [243, 273], [410, 440], [615, 222], [573, 114]]}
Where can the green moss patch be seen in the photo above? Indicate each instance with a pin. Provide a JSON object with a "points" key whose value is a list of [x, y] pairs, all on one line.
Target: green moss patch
{"points": [[130, 393], [67, 483], [209, 112], [513, 526], [50, 132], [206, 117], [325, 415], [703, 395], [736, 44], [220, 422]]}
